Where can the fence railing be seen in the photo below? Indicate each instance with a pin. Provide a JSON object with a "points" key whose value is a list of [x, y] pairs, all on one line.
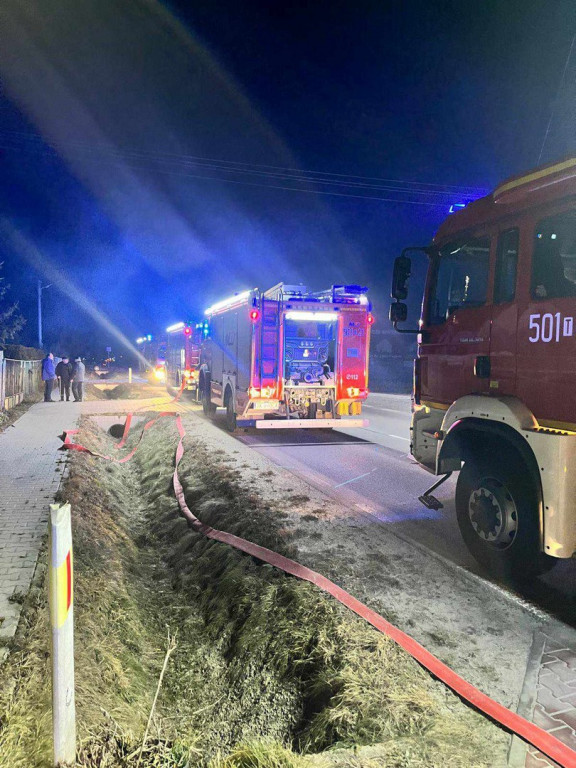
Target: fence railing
{"points": [[19, 379]]}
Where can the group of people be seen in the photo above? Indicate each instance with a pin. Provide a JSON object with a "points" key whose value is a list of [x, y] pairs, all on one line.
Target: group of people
{"points": [[67, 375]]}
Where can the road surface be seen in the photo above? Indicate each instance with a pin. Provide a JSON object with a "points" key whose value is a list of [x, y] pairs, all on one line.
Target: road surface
{"points": [[369, 470]]}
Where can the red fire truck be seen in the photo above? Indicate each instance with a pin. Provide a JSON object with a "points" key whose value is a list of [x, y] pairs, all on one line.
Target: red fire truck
{"points": [[287, 357], [495, 377], [151, 360], [182, 357]]}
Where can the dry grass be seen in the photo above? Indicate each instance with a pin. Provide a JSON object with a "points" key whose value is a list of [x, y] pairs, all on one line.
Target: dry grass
{"points": [[7, 418], [267, 673]]}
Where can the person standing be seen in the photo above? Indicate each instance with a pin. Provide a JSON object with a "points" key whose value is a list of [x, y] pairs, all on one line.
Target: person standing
{"points": [[48, 376], [78, 373], [64, 374]]}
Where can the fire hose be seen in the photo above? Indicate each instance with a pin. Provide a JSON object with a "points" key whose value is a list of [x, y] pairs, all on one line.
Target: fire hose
{"points": [[514, 723]]}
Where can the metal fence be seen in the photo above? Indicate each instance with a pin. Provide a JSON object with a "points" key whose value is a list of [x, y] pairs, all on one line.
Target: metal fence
{"points": [[19, 379]]}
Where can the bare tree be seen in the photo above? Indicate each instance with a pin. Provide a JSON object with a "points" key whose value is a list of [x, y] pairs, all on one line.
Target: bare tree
{"points": [[11, 321]]}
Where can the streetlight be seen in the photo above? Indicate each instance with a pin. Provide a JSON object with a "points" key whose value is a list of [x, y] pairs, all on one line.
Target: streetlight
{"points": [[40, 289]]}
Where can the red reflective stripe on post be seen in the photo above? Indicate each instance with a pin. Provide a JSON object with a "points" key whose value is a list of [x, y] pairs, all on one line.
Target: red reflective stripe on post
{"points": [[537, 737]]}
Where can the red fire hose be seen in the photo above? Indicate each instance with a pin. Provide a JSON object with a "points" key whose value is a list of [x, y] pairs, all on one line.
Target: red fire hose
{"points": [[537, 737]]}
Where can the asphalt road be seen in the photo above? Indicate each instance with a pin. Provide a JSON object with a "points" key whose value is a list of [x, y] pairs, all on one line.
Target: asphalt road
{"points": [[369, 471]]}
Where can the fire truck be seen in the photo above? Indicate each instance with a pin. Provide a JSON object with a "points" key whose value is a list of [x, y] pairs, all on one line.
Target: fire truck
{"points": [[182, 358], [495, 377], [287, 357], [151, 360]]}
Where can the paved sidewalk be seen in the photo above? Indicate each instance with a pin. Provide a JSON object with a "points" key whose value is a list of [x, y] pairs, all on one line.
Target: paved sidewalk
{"points": [[31, 473], [555, 693]]}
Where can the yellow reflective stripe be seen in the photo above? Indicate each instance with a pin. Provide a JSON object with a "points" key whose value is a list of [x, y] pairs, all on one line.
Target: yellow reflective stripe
{"points": [[563, 426], [431, 404], [535, 175]]}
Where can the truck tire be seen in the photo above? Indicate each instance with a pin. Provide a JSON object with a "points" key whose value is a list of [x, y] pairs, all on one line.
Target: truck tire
{"points": [[208, 406], [230, 414], [497, 510]]}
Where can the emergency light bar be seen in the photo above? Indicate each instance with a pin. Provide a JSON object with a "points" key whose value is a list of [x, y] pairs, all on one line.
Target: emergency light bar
{"points": [[325, 317], [237, 299], [175, 327]]}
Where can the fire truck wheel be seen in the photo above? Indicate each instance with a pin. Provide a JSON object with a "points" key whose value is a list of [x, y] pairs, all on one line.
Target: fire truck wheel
{"points": [[208, 407], [230, 416], [497, 511]]}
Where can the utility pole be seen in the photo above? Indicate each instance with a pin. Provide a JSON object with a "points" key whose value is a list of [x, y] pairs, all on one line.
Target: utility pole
{"points": [[39, 314], [40, 289]]}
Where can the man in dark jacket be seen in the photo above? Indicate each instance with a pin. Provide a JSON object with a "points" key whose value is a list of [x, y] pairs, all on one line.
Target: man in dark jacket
{"points": [[78, 374], [48, 376], [64, 373]]}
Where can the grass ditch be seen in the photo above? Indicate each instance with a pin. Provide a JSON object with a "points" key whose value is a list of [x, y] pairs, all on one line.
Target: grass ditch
{"points": [[267, 672]]}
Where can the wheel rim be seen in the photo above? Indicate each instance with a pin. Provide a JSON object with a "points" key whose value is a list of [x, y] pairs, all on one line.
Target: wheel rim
{"points": [[493, 514]]}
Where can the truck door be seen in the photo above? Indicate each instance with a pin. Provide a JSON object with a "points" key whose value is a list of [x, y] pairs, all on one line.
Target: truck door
{"points": [[547, 315], [503, 338], [456, 328], [267, 349], [352, 368]]}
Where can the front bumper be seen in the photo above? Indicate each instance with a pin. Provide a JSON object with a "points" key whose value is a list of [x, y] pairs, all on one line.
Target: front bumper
{"points": [[302, 423]]}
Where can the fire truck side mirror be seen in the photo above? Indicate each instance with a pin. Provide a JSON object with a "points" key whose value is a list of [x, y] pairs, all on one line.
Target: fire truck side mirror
{"points": [[398, 312], [400, 277]]}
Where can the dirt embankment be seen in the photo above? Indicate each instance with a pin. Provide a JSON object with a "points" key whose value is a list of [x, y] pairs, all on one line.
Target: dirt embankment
{"points": [[123, 391], [267, 671]]}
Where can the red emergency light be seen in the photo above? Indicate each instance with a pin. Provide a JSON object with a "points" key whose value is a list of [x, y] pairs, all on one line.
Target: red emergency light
{"points": [[370, 319], [254, 315], [187, 330]]}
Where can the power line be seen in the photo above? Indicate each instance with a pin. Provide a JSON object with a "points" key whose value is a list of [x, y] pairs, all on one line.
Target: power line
{"points": [[557, 97], [299, 175], [288, 189]]}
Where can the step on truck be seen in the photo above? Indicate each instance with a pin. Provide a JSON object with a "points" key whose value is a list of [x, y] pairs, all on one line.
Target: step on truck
{"points": [[182, 357], [495, 377], [288, 357]]}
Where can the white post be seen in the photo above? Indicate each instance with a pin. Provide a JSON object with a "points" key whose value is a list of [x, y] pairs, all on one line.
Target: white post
{"points": [[2, 380], [39, 314], [129, 375], [62, 621]]}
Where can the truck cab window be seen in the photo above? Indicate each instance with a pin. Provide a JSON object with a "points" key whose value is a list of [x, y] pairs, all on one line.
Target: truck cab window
{"points": [[554, 257], [506, 264], [461, 278]]}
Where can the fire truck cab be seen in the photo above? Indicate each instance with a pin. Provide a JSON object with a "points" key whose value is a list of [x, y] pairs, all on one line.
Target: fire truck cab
{"points": [[287, 357], [495, 377]]}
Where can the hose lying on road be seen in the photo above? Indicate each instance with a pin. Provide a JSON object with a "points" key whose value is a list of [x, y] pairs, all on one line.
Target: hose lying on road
{"points": [[537, 737]]}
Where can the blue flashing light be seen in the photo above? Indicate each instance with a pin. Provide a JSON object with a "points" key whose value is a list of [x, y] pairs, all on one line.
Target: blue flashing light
{"points": [[458, 206], [149, 337]]}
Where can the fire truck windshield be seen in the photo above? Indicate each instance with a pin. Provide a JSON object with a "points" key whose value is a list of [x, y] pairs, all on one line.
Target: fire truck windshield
{"points": [[460, 278], [308, 349]]}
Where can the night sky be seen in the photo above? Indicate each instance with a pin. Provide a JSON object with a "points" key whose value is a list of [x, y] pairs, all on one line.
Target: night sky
{"points": [[158, 157]]}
